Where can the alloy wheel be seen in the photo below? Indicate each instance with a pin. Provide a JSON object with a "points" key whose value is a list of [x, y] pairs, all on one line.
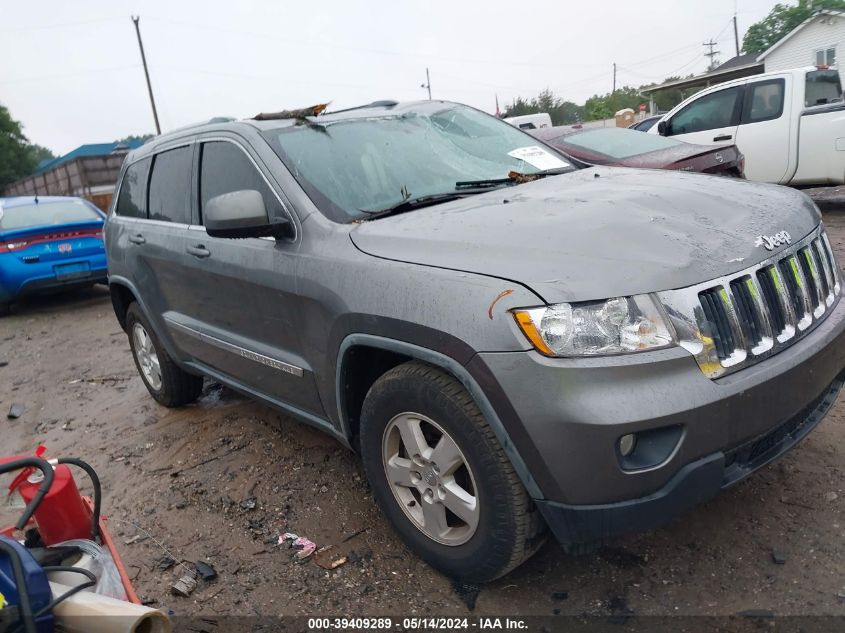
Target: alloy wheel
{"points": [[147, 357], [430, 478]]}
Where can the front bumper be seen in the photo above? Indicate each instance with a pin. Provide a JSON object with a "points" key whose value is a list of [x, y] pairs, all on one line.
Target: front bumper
{"points": [[693, 484], [573, 411]]}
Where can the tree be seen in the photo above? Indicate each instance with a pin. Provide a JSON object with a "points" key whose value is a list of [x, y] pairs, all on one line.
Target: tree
{"points": [[781, 20], [41, 153], [135, 137], [562, 112], [17, 158], [605, 106]]}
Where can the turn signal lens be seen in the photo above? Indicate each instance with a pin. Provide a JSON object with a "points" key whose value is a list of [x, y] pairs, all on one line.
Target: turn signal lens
{"points": [[526, 324]]}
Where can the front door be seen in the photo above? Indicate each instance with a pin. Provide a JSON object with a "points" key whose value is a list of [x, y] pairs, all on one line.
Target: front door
{"points": [[242, 317]]}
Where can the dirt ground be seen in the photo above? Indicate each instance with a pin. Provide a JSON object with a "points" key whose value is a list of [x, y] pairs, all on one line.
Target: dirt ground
{"points": [[220, 480]]}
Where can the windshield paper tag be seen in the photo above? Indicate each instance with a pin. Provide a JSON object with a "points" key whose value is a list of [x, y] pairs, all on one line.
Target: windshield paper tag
{"points": [[537, 157]]}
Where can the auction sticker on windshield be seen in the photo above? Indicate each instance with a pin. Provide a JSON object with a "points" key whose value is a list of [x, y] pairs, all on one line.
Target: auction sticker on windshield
{"points": [[537, 157]]}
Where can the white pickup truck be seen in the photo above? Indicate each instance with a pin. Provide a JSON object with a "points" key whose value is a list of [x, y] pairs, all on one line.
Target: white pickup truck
{"points": [[790, 125]]}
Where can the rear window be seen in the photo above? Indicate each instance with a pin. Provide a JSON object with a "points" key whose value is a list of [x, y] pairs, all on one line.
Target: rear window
{"points": [[46, 214], [132, 199], [823, 86], [763, 101]]}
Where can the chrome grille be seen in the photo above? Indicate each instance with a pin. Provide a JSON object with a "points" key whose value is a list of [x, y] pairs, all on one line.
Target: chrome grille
{"points": [[733, 322]]}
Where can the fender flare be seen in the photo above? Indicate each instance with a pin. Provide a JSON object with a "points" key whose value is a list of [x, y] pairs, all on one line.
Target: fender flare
{"points": [[453, 367]]}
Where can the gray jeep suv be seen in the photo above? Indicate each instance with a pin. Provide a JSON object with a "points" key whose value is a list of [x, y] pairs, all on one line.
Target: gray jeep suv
{"points": [[515, 346]]}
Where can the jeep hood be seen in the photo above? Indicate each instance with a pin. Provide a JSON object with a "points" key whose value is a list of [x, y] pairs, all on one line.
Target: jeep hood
{"points": [[597, 233]]}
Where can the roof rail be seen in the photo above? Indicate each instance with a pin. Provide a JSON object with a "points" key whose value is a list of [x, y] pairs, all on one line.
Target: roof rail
{"points": [[190, 126]]}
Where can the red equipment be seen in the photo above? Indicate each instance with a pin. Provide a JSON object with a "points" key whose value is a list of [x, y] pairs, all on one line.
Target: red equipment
{"points": [[63, 513]]}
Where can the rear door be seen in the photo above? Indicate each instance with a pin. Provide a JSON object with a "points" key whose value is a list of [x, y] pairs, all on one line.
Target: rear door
{"points": [[712, 119], [242, 314], [160, 239], [763, 134]]}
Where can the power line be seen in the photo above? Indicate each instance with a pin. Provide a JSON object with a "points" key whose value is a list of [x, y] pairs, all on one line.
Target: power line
{"points": [[378, 51], [90, 71]]}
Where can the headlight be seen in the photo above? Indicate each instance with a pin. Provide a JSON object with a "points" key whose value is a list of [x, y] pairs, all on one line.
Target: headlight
{"points": [[595, 328]]}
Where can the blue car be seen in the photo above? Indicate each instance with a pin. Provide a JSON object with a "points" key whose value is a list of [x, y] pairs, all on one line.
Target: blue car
{"points": [[49, 243]]}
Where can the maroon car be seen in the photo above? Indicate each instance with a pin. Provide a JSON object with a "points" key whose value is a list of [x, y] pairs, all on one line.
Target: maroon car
{"points": [[629, 148]]}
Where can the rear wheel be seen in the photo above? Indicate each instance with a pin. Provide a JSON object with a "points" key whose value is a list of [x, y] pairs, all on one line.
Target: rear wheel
{"points": [[439, 474], [165, 380]]}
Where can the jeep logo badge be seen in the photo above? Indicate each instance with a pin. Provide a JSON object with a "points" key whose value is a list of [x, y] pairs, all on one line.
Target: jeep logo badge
{"points": [[771, 242]]}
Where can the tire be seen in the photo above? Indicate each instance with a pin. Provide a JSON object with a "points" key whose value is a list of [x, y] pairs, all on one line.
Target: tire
{"points": [[5, 309], [168, 384], [498, 527]]}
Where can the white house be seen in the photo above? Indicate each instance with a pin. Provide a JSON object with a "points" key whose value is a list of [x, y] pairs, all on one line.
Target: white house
{"points": [[814, 42]]}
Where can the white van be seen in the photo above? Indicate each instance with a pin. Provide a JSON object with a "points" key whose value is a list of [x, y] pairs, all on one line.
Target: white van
{"points": [[530, 121]]}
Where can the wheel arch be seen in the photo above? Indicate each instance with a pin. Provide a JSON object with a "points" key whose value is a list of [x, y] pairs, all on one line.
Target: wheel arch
{"points": [[123, 293], [351, 389]]}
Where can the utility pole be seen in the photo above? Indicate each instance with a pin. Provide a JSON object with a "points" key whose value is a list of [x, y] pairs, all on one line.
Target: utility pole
{"points": [[736, 36], [136, 19], [614, 78], [711, 54], [427, 84]]}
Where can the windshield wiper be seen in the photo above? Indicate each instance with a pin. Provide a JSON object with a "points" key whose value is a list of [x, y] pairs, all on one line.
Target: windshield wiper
{"points": [[415, 203], [513, 178]]}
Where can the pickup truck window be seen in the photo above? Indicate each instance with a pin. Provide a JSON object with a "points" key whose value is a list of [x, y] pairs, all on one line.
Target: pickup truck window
{"points": [[763, 101], [822, 86], [710, 112], [132, 200], [170, 186]]}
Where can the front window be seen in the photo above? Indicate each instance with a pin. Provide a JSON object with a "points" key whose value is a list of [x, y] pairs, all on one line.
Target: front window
{"points": [[710, 112], [357, 166], [25, 216]]}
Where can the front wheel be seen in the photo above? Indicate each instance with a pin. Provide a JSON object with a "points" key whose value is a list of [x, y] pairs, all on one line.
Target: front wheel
{"points": [[439, 474], [168, 383]]}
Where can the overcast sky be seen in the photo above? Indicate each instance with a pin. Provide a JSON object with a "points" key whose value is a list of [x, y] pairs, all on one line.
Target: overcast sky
{"points": [[71, 71]]}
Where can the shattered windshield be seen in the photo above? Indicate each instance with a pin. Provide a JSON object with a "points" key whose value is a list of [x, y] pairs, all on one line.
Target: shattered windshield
{"points": [[358, 166]]}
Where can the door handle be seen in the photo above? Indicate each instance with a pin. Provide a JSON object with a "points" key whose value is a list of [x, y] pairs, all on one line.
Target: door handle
{"points": [[723, 137], [137, 239], [198, 251]]}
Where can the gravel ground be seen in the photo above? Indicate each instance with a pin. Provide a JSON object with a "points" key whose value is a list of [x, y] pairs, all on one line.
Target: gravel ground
{"points": [[220, 480]]}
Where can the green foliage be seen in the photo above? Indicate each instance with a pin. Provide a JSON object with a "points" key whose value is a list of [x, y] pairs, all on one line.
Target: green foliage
{"points": [[781, 20], [605, 106], [135, 137], [17, 157], [562, 112], [41, 153]]}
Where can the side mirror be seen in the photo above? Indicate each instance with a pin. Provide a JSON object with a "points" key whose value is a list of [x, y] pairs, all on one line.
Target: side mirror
{"points": [[663, 128], [241, 214]]}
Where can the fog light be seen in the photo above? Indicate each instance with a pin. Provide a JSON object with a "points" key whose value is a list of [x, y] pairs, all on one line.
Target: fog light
{"points": [[627, 444]]}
